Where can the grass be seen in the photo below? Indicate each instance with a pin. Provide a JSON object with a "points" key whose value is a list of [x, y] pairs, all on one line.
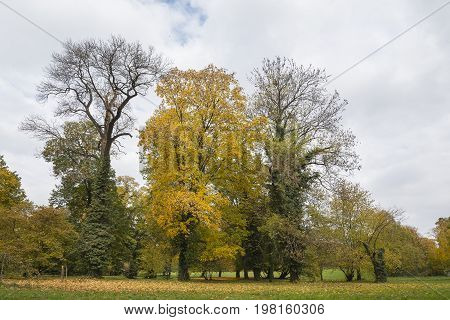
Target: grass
{"points": [[224, 288]]}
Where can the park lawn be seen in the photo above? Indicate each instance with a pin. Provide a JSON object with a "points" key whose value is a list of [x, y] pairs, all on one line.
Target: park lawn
{"points": [[225, 288]]}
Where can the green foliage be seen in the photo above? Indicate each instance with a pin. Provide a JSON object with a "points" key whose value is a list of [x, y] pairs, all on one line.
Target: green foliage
{"points": [[50, 239], [35, 240], [101, 235], [74, 154]]}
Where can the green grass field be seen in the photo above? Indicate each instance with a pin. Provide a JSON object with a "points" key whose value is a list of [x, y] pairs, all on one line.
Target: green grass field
{"points": [[224, 288]]}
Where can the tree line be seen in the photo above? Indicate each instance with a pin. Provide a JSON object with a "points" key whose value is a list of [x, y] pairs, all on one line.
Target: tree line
{"points": [[250, 183]]}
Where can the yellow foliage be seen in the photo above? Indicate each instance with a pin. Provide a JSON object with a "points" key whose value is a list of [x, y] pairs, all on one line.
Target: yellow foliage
{"points": [[195, 148]]}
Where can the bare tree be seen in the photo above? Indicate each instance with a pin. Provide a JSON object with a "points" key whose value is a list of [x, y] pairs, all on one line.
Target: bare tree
{"points": [[96, 80], [295, 102]]}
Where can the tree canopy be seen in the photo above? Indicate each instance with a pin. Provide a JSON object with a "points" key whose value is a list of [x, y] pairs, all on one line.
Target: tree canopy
{"points": [[234, 181]]}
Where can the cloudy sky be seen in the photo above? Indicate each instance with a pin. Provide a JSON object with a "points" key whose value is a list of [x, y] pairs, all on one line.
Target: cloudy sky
{"points": [[399, 98]]}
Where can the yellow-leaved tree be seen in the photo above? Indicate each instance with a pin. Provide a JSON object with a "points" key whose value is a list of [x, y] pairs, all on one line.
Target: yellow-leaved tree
{"points": [[194, 148]]}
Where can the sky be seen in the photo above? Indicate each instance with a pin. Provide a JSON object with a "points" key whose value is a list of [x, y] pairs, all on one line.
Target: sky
{"points": [[399, 98]]}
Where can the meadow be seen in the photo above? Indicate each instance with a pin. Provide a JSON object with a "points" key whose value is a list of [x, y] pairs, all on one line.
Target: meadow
{"points": [[226, 287]]}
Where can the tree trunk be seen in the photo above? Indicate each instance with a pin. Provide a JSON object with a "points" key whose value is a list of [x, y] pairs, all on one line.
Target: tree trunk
{"points": [[2, 266], [257, 274], [294, 275], [270, 273], [349, 276], [271, 268], [358, 274], [379, 266], [321, 274], [238, 274], [349, 273], [220, 273], [283, 275], [246, 277], [183, 265]]}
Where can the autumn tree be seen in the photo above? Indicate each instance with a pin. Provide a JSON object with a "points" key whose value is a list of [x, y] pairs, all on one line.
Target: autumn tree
{"points": [[378, 222], [13, 210], [95, 81], [190, 146], [349, 213], [440, 255], [307, 144], [11, 192], [406, 251], [13, 244], [357, 229], [49, 238]]}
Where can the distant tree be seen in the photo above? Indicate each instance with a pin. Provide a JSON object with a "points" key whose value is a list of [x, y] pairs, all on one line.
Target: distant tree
{"points": [[95, 81], [323, 239], [441, 254], [49, 238], [349, 213], [354, 229], [11, 192], [13, 226], [13, 212], [378, 223], [133, 199], [406, 251]]}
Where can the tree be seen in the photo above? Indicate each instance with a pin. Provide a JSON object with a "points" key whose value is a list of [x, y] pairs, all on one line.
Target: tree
{"points": [[13, 208], [307, 144], [441, 254], [377, 224], [95, 81], [349, 213], [406, 251], [74, 152], [49, 239], [189, 146], [133, 200], [11, 192]]}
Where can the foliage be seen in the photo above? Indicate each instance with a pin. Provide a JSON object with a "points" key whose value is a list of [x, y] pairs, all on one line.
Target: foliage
{"points": [[232, 183], [11, 192], [94, 81], [306, 145], [407, 251], [348, 226], [440, 256], [49, 239], [191, 145]]}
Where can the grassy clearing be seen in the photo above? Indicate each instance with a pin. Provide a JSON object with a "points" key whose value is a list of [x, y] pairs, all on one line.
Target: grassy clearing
{"points": [[225, 288]]}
